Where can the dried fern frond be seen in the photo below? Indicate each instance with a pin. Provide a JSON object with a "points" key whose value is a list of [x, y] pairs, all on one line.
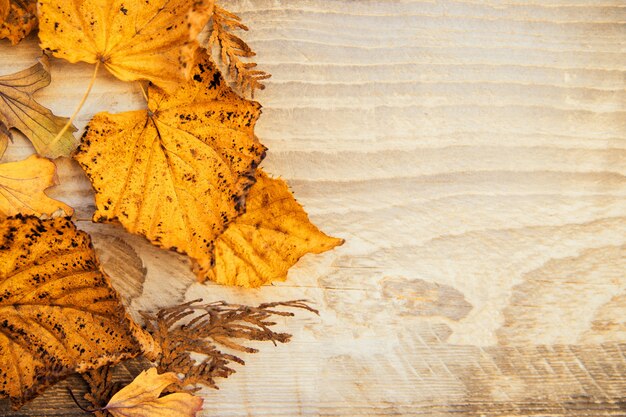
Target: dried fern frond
{"points": [[101, 388], [200, 328], [233, 49], [101, 385]]}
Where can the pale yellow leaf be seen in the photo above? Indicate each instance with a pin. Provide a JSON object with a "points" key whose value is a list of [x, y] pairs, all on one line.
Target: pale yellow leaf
{"points": [[141, 398], [23, 185]]}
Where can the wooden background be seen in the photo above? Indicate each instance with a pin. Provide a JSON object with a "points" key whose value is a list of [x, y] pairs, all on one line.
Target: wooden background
{"points": [[472, 154]]}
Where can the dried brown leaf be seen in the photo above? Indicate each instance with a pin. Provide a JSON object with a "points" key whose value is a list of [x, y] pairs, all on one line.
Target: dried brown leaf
{"points": [[19, 110]]}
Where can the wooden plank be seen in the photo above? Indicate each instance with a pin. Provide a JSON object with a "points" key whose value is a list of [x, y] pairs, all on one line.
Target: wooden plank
{"points": [[473, 155]]}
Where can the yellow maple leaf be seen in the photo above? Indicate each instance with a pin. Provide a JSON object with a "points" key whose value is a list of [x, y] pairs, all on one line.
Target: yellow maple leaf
{"points": [[177, 172], [141, 398], [133, 39], [261, 245], [22, 186], [17, 19], [19, 110], [58, 311]]}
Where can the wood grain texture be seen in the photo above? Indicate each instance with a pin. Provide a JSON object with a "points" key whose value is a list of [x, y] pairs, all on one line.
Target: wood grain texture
{"points": [[473, 156]]}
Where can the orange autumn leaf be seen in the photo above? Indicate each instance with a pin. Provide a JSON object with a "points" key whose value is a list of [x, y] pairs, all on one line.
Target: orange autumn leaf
{"points": [[133, 39], [23, 185], [141, 398], [4, 10], [17, 19], [58, 311], [261, 245], [19, 110], [179, 171]]}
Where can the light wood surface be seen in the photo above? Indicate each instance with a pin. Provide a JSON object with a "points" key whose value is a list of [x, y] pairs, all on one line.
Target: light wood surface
{"points": [[473, 156]]}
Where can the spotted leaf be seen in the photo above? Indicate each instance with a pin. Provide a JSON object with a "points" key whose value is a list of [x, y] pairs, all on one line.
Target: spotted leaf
{"points": [[178, 172], [133, 39], [58, 311]]}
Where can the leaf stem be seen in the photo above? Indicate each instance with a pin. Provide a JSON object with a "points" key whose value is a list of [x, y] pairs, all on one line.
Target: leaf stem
{"points": [[80, 105], [80, 406], [143, 91]]}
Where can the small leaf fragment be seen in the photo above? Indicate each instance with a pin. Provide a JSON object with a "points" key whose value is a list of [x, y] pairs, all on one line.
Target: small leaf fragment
{"points": [[199, 15], [263, 243], [4, 139], [4, 10], [22, 186], [59, 313], [17, 19], [19, 110], [177, 172], [141, 398]]}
